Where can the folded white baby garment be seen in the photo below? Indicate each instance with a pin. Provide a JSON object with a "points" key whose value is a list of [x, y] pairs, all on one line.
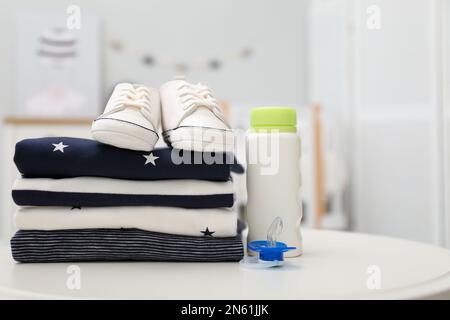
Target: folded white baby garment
{"points": [[190, 222], [185, 187]]}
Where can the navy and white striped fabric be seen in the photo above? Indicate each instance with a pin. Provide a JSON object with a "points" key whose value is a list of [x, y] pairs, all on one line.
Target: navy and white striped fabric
{"points": [[71, 199], [121, 245], [103, 192], [63, 157]]}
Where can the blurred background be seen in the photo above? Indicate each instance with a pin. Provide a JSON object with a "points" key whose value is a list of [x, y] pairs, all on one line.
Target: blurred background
{"points": [[370, 81]]}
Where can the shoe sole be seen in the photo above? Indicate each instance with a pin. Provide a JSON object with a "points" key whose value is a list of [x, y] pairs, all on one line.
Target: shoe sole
{"points": [[123, 134], [201, 139]]}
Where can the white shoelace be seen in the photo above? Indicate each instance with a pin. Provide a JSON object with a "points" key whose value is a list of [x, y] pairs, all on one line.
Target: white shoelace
{"points": [[193, 96], [127, 96]]}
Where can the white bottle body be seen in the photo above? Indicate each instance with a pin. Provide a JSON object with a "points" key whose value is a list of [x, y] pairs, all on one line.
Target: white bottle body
{"points": [[273, 187]]}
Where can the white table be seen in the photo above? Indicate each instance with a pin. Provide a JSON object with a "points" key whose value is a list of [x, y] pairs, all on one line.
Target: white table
{"points": [[334, 265]]}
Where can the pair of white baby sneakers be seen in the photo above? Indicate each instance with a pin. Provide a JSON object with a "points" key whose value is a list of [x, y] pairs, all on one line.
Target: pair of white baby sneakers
{"points": [[189, 115]]}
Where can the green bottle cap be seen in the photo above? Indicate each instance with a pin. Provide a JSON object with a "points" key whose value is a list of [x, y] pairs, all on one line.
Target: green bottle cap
{"points": [[281, 119]]}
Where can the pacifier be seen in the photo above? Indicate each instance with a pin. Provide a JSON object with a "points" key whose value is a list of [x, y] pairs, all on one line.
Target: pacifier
{"points": [[270, 251]]}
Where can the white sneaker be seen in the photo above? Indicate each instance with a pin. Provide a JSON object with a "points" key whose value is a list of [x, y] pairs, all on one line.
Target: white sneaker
{"points": [[131, 118], [192, 119]]}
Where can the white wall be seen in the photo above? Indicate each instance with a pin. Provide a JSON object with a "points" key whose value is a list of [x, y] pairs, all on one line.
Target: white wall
{"points": [[446, 112], [185, 30]]}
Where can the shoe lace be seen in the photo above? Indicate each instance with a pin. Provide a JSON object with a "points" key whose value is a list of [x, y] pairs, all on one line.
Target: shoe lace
{"points": [[128, 96], [193, 96]]}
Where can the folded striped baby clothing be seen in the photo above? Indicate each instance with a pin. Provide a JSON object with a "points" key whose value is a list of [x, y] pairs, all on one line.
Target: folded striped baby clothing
{"points": [[120, 245], [85, 201], [98, 192]]}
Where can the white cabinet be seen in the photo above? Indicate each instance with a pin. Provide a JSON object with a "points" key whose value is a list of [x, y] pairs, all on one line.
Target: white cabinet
{"points": [[397, 147], [386, 85], [16, 129]]}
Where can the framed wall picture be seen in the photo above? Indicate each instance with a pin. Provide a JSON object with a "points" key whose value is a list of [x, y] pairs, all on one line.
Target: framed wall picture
{"points": [[57, 68]]}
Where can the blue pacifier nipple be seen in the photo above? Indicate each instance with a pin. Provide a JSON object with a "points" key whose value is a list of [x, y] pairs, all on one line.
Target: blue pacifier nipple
{"points": [[270, 251]]}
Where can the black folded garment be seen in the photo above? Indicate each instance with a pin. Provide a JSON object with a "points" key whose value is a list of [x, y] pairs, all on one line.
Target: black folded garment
{"points": [[121, 245], [62, 157]]}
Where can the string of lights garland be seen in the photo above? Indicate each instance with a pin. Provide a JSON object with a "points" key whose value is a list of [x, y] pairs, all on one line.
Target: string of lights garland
{"points": [[199, 63]]}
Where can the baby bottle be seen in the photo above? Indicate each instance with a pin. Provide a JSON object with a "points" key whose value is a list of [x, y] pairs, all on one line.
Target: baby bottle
{"points": [[273, 175]]}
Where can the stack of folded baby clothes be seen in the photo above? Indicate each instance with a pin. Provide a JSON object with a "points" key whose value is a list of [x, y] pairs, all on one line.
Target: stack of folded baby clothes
{"points": [[81, 200]]}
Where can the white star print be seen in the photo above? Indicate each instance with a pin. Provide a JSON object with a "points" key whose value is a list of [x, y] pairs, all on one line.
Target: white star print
{"points": [[150, 159], [59, 147]]}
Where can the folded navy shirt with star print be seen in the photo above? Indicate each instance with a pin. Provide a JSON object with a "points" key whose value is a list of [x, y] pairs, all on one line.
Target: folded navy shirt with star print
{"points": [[64, 157]]}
